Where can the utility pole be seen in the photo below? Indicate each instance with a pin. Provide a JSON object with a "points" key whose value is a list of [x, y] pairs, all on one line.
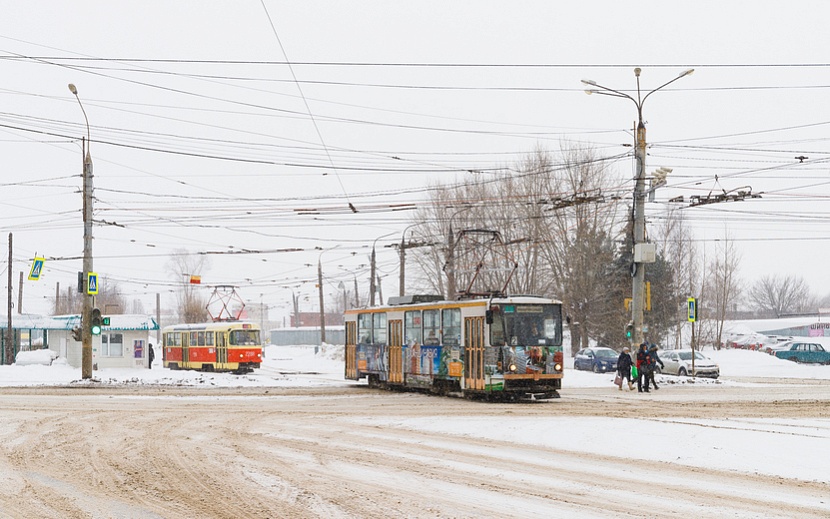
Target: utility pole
{"points": [[322, 306], [86, 297], [449, 265], [7, 352], [372, 278], [642, 252], [20, 294]]}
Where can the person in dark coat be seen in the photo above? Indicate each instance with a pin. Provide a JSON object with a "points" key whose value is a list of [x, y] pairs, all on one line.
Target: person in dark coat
{"points": [[151, 355], [654, 360], [642, 367], [624, 367]]}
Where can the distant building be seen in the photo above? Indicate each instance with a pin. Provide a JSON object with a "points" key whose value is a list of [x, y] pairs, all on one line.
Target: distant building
{"points": [[122, 344], [313, 319]]}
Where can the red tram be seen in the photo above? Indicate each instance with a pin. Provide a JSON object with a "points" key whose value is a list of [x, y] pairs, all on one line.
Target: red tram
{"points": [[232, 346], [499, 348]]}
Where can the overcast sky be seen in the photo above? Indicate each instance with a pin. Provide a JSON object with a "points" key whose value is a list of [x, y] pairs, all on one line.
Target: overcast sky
{"points": [[202, 140]]}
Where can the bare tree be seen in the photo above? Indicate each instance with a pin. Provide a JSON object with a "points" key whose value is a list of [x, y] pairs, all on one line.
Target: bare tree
{"points": [[191, 306], [724, 287], [778, 295], [555, 224], [674, 239]]}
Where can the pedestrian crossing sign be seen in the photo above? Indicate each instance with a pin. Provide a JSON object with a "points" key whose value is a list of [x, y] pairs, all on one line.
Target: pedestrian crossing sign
{"points": [[37, 268], [92, 283]]}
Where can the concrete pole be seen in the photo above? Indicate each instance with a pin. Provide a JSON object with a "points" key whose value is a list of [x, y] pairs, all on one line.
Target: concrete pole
{"points": [[372, 271], [86, 313], [322, 305], [638, 285], [20, 294], [8, 352], [402, 269]]}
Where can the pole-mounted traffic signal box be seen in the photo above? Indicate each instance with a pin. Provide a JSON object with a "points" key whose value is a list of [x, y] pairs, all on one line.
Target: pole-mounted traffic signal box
{"points": [[96, 322], [629, 331], [76, 334]]}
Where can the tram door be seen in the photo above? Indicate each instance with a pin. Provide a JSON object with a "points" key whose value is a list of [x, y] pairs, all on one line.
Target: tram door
{"points": [[474, 352], [185, 349], [396, 351], [221, 348], [351, 350]]}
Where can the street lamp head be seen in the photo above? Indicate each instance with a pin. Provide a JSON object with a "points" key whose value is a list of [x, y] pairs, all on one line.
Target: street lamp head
{"points": [[73, 89], [589, 92], [687, 72], [637, 72], [589, 82]]}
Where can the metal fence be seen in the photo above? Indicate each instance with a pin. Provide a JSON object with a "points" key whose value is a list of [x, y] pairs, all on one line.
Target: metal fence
{"points": [[306, 336]]}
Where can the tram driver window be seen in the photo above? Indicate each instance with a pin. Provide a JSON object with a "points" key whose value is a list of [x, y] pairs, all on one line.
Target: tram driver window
{"points": [[496, 327]]}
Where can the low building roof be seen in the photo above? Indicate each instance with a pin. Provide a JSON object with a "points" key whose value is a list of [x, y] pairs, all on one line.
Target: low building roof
{"points": [[121, 322]]}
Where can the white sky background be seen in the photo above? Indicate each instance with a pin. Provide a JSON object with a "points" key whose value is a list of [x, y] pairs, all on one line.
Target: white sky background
{"points": [[757, 99]]}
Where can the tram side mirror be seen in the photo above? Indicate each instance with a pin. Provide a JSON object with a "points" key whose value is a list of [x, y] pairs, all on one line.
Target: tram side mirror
{"points": [[488, 316]]}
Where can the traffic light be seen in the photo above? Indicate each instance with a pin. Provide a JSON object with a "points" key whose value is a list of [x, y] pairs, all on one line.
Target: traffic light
{"points": [[629, 330], [96, 322]]}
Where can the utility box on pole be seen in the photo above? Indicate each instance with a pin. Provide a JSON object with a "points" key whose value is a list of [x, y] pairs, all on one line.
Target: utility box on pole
{"points": [[645, 253]]}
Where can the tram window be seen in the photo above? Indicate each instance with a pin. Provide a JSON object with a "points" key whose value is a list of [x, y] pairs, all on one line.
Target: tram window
{"points": [[194, 338], [208, 338], [244, 337], [379, 328], [432, 327], [412, 325], [497, 328], [451, 317], [364, 325]]}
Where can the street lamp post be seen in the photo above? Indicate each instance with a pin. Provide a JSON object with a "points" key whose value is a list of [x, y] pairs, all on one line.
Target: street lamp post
{"points": [[86, 298], [638, 268], [373, 269]]}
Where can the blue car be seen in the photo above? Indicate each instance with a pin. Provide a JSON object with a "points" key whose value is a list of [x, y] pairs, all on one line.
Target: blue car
{"points": [[803, 352], [598, 360]]}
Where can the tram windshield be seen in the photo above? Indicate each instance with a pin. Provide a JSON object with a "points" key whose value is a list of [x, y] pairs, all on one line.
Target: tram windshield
{"points": [[526, 325], [244, 337]]}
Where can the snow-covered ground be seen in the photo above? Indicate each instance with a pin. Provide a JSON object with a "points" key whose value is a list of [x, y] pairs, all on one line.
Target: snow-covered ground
{"points": [[301, 366], [785, 448], [283, 366]]}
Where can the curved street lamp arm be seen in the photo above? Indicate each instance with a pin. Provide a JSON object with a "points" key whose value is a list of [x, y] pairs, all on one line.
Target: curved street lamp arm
{"points": [[682, 74]]}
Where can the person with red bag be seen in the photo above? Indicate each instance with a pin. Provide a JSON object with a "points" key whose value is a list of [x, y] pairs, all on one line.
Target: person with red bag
{"points": [[643, 364]]}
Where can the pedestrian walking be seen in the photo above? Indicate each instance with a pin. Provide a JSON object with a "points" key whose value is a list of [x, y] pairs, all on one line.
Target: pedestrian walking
{"points": [[654, 360], [151, 355], [642, 367], [624, 368]]}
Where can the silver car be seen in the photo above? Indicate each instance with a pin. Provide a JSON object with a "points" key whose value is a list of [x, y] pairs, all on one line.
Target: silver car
{"points": [[679, 362]]}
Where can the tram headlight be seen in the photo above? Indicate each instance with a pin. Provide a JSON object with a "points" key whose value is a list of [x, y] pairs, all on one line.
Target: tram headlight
{"points": [[512, 368], [557, 367]]}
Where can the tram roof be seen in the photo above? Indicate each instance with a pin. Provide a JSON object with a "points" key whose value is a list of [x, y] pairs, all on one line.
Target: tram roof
{"points": [[213, 325], [461, 303]]}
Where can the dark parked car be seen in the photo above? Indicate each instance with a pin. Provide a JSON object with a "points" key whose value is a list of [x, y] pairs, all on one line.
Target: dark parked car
{"points": [[804, 352], [598, 360]]}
